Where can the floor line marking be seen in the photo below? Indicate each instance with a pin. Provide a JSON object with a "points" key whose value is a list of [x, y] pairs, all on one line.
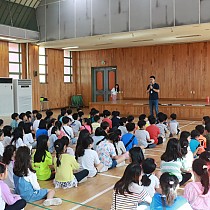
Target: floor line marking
{"points": [[90, 207], [118, 177], [37, 205], [93, 197], [187, 124]]}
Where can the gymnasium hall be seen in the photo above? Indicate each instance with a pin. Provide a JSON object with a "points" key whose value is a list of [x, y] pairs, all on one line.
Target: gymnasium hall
{"points": [[134, 73]]}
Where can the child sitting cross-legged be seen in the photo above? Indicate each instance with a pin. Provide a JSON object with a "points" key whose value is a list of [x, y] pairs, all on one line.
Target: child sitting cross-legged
{"points": [[65, 165], [198, 192], [149, 180], [143, 136], [8, 201], [168, 199], [128, 193], [25, 180], [129, 138]]}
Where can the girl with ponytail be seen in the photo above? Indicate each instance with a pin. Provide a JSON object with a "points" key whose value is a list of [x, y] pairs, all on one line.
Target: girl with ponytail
{"points": [[88, 158], [149, 180], [198, 192], [168, 199], [65, 164]]}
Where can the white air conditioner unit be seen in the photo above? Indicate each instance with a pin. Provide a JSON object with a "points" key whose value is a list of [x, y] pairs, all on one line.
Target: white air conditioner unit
{"points": [[6, 97], [22, 95]]}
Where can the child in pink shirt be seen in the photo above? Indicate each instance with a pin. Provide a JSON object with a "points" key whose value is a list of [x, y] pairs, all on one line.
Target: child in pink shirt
{"points": [[7, 199], [198, 192], [107, 115], [86, 124]]}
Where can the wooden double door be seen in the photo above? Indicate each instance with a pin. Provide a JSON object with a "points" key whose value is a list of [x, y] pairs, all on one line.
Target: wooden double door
{"points": [[103, 80]]}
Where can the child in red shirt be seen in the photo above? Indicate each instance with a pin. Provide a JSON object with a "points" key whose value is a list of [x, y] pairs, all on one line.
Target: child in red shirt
{"points": [[153, 130]]}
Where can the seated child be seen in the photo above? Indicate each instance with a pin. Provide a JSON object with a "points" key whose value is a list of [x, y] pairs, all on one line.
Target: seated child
{"points": [[202, 139], [115, 119], [195, 146], [76, 124], [154, 131], [168, 199], [8, 160], [206, 156], [172, 162], [143, 117], [96, 123], [7, 129], [15, 121], [1, 144], [149, 180], [197, 193], [136, 155], [25, 180], [88, 158], [122, 127], [42, 160], [173, 125], [143, 136], [118, 145], [207, 135], [8, 201], [1, 124], [107, 116], [128, 193], [65, 164], [164, 132], [107, 154], [129, 139], [86, 124]]}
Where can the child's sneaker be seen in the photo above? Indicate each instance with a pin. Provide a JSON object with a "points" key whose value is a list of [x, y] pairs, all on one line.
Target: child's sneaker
{"points": [[52, 202]]}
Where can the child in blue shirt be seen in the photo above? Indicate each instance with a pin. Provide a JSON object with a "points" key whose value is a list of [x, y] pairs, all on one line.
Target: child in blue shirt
{"points": [[168, 200], [15, 119], [194, 142], [129, 139]]}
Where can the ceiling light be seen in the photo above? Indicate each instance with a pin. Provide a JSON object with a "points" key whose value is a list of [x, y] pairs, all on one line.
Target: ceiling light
{"points": [[73, 47], [7, 38]]}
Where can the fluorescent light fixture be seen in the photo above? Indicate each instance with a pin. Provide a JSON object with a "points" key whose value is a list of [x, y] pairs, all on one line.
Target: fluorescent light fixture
{"points": [[73, 47], [7, 38]]}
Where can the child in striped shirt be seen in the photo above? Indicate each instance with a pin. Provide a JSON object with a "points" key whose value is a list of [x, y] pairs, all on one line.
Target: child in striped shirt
{"points": [[128, 194]]}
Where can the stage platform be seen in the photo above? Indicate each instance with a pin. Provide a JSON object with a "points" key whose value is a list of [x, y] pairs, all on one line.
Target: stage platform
{"points": [[186, 110]]}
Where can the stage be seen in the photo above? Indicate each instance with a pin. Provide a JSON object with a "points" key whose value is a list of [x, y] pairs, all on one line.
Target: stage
{"points": [[186, 110]]}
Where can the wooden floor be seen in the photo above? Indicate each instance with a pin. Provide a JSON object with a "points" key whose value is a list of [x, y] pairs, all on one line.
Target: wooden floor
{"points": [[96, 193]]}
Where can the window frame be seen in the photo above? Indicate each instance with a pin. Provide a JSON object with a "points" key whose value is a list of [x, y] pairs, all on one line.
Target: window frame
{"points": [[19, 63], [70, 66], [43, 65]]}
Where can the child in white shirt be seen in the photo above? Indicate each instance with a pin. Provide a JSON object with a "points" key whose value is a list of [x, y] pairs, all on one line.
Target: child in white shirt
{"points": [[173, 125], [36, 122], [149, 180], [66, 128]]}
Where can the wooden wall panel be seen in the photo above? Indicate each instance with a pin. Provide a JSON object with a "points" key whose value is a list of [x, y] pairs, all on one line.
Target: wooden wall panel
{"points": [[34, 66], [182, 70], [57, 92], [4, 59]]}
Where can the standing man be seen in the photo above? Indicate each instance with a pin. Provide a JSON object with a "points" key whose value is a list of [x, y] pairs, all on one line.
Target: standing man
{"points": [[153, 89]]}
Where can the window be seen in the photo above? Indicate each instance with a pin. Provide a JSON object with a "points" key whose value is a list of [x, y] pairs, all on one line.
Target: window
{"points": [[15, 61], [68, 67], [42, 65]]}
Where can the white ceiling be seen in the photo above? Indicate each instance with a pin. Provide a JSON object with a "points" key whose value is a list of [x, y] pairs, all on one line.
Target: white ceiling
{"points": [[178, 34]]}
